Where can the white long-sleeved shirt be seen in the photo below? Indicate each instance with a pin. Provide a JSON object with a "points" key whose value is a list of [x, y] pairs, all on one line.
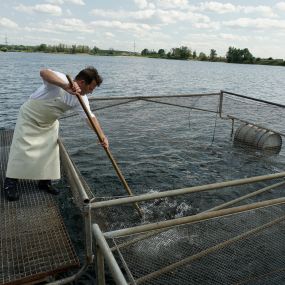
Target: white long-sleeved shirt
{"points": [[49, 91]]}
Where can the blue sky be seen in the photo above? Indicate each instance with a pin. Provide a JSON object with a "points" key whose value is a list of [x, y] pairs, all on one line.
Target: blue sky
{"points": [[152, 24]]}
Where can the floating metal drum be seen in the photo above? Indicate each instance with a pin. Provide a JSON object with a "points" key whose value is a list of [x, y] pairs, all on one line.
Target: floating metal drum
{"points": [[258, 137]]}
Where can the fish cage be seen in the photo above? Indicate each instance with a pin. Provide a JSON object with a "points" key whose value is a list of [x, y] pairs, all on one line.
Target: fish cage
{"points": [[206, 173], [211, 202]]}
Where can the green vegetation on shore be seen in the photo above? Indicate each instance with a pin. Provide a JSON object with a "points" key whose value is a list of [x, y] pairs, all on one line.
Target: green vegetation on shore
{"points": [[61, 48], [233, 55]]}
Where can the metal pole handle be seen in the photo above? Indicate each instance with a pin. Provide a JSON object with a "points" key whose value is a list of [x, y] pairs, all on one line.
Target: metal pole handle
{"points": [[118, 171]]}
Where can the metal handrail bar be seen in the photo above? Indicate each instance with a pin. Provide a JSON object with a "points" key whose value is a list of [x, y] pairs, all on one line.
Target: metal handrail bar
{"points": [[108, 255], [254, 99], [193, 219], [86, 209], [99, 109], [170, 193], [237, 200], [180, 106], [150, 97], [88, 233], [74, 174], [114, 105], [87, 220], [219, 207], [142, 98]]}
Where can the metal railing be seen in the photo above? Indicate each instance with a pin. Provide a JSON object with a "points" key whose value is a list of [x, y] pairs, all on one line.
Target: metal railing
{"points": [[104, 252], [76, 185], [183, 191]]}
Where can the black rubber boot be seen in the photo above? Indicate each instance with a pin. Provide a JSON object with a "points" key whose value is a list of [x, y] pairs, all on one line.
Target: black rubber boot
{"points": [[10, 189], [46, 185]]}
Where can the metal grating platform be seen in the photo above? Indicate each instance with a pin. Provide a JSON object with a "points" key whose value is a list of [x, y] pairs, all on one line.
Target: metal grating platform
{"points": [[34, 243]]}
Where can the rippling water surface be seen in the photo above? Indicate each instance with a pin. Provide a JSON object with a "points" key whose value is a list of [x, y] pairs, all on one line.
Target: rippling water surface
{"points": [[158, 147], [131, 76], [148, 141]]}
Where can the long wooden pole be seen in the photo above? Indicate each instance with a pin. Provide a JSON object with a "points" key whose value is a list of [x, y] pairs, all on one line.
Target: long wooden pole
{"points": [[118, 171]]}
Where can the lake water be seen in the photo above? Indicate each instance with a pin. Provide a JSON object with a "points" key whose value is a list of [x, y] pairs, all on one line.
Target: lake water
{"points": [[132, 76], [158, 147]]}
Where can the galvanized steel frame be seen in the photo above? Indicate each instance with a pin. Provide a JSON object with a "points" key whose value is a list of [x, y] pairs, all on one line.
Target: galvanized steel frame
{"points": [[193, 219], [103, 252], [86, 214], [233, 118], [183, 191]]}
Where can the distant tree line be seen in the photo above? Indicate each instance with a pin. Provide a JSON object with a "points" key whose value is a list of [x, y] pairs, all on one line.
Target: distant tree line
{"points": [[183, 52], [61, 48], [233, 55], [236, 55]]}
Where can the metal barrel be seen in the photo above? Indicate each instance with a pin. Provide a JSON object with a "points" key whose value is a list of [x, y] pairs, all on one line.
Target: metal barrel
{"points": [[258, 138]]}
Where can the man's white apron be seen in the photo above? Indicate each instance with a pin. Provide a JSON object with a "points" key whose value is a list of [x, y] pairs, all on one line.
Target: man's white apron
{"points": [[34, 152]]}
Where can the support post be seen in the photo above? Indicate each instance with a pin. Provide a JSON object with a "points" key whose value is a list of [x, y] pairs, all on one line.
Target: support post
{"points": [[88, 233], [221, 103], [100, 270], [108, 255]]}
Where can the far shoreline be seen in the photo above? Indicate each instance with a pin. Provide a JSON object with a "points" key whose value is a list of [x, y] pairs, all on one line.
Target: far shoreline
{"points": [[269, 61]]}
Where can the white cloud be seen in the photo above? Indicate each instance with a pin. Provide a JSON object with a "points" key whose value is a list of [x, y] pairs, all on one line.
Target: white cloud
{"points": [[41, 8], [76, 2], [266, 11], [173, 16], [47, 8], [56, 2], [144, 14], [234, 37], [109, 35], [73, 24], [165, 16], [142, 4], [123, 15], [67, 25], [280, 6], [172, 4], [258, 23], [61, 2], [217, 7], [41, 30], [223, 8], [208, 26], [7, 23], [123, 25], [23, 8]]}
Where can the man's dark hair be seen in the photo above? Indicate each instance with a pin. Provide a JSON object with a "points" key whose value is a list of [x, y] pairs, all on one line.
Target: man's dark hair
{"points": [[88, 74]]}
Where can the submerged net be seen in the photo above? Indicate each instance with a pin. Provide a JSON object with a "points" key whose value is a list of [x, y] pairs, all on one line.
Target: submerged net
{"points": [[162, 147], [166, 143], [231, 250]]}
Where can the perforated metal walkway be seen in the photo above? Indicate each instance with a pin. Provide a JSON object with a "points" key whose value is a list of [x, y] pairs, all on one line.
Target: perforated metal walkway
{"points": [[34, 243]]}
